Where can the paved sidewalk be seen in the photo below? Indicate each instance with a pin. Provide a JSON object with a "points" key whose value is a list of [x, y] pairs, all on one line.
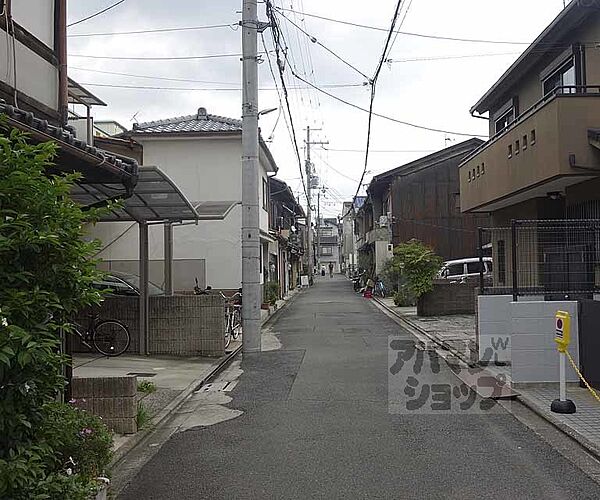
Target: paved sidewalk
{"points": [[456, 331], [583, 426]]}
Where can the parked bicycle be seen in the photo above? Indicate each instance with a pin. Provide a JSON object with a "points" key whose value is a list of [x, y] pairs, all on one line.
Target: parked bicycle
{"points": [[379, 290], [233, 316], [109, 337]]}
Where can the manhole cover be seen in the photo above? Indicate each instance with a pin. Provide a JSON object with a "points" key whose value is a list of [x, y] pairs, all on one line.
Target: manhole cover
{"points": [[142, 374]]}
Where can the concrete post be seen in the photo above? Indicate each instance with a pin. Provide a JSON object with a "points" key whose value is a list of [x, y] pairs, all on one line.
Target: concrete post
{"points": [[168, 258], [250, 175], [143, 288]]}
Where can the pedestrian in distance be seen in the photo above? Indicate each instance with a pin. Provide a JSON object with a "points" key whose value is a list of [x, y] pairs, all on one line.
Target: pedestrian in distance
{"points": [[331, 269]]}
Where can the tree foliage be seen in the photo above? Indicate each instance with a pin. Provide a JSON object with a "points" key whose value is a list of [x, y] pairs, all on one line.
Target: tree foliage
{"points": [[46, 275], [414, 266]]}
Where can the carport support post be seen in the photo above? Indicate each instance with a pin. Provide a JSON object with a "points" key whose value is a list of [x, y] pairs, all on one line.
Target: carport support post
{"points": [[143, 288], [251, 291], [168, 265]]}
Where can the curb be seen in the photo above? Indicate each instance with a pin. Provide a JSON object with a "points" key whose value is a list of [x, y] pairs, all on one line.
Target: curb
{"points": [[121, 452], [412, 328], [156, 421], [579, 438]]}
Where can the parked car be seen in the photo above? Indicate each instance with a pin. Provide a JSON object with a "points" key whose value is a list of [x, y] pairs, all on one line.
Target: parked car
{"points": [[126, 284], [458, 270]]}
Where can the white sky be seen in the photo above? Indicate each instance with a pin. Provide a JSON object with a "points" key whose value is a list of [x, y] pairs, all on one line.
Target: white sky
{"points": [[434, 93]]}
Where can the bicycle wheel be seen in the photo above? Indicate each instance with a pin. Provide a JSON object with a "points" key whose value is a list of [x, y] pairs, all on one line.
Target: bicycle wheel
{"points": [[227, 329], [111, 337], [236, 320]]}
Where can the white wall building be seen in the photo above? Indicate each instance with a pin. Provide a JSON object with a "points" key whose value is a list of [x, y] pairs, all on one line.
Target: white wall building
{"points": [[201, 153]]}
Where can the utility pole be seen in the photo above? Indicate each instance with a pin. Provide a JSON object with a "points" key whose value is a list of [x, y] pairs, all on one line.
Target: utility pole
{"points": [[250, 173], [318, 227], [311, 259]]}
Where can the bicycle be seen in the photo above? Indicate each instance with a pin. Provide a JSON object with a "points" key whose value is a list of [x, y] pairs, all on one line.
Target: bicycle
{"points": [[109, 337], [379, 290], [233, 317]]}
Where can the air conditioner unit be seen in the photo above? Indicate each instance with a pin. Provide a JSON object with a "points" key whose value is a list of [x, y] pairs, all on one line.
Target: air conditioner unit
{"points": [[383, 221]]}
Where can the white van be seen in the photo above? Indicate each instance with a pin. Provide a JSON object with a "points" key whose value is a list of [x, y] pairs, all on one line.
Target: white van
{"points": [[465, 268]]}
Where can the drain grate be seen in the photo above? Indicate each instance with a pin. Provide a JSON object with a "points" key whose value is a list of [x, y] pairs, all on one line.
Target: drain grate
{"points": [[142, 374]]}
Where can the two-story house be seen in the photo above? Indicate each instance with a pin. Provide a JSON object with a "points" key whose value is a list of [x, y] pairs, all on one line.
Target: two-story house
{"points": [[284, 217], [420, 200], [201, 154], [327, 243], [35, 92], [542, 161]]}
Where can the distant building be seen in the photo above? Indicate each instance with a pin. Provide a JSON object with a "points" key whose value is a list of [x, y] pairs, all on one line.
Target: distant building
{"points": [[328, 244]]}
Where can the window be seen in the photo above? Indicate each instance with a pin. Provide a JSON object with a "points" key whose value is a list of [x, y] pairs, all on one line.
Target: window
{"points": [[265, 194], [482, 168], [326, 251], [469, 176], [473, 267], [517, 147], [505, 120], [524, 142], [473, 174], [456, 270], [533, 137], [563, 77], [501, 262], [510, 150], [478, 170]]}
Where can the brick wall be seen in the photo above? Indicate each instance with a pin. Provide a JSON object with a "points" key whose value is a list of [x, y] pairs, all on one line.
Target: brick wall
{"points": [[112, 398], [448, 298], [181, 325]]}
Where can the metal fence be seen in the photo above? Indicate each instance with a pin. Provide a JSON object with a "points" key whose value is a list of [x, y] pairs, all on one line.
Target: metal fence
{"points": [[556, 259]]}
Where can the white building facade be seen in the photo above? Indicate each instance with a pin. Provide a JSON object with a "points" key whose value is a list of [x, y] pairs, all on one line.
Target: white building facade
{"points": [[201, 153]]}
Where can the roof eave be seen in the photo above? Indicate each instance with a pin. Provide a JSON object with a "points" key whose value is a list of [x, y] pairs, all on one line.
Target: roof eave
{"points": [[556, 29]]}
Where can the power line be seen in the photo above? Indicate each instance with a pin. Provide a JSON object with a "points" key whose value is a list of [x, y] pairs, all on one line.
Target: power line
{"points": [[420, 35], [233, 26], [336, 150], [373, 80], [313, 39], [96, 13], [385, 117], [184, 89], [152, 77], [275, 34], [169, 58]]}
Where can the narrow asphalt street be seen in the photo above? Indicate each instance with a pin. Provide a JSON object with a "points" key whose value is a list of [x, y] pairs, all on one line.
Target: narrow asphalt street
{"points": [[315, 422]]}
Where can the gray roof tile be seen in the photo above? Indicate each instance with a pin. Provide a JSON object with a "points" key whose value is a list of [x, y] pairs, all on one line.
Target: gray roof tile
{"points": [[200, 122]]}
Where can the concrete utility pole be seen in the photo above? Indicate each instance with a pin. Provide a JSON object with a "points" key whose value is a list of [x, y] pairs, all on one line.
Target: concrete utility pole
{"points": [[311, 259], [250, 173], [318, 228]]}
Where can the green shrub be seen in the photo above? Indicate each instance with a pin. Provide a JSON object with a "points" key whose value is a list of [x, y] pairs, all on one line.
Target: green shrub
{"points": [[142, 416], [403, 298], [146, 387], [47, 276], [272, 292], [415, 265]]}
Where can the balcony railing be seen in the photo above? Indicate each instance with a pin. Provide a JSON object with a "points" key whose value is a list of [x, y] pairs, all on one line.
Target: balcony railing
{"points": [[542, 149]]}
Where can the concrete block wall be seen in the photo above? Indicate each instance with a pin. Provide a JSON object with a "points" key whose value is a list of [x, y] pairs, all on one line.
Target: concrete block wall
{"points": [[112, 398], [448, 298], [533, 351], [187, 325], [180, 325], [494, 327]]}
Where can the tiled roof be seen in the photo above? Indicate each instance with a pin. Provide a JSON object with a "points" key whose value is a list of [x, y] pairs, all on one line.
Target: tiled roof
{"points": [[201, 122], [114, 166]]}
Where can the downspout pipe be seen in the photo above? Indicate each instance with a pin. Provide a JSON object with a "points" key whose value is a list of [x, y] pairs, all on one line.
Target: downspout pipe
{"points": [[61, 52]]}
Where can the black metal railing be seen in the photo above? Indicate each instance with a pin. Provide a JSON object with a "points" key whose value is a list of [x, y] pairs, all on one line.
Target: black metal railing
{"points": [[556, 259]]}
